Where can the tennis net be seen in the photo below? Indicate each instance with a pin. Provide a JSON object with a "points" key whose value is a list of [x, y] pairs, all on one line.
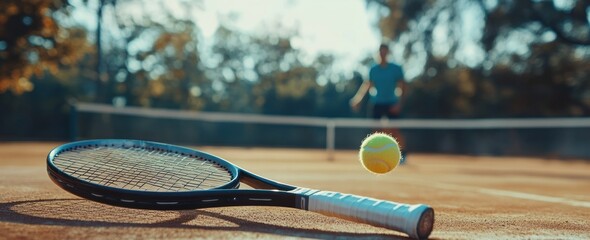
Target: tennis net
{"points": [[553, 137]]}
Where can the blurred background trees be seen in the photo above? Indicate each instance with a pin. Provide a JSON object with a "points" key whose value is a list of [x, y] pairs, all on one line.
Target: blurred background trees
{"points": [[35, 37], [463, 59], [502, 58], [42, 59]]}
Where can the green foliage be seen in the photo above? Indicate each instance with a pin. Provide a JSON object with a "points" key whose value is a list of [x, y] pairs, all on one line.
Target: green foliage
{"points": [[264, 74], [492, 58]]}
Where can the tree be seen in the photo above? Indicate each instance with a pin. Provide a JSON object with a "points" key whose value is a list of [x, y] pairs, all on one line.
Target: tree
{"points": [[33, 41], [262, 73], [152, 61], [511, 58]]}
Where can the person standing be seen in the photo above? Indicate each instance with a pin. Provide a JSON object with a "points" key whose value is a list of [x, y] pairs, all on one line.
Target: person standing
{"points": [[386, 85]]}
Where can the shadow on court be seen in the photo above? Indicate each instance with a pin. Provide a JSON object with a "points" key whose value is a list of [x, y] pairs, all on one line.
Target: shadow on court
{"points": [[82, 213]]}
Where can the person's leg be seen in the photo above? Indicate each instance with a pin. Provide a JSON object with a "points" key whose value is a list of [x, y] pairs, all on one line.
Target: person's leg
{"points": [[397, 134], [378, 111], [381, 110]]}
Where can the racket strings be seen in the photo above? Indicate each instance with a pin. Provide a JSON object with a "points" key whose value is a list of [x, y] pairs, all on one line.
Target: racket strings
{"points": [[138, 168]]}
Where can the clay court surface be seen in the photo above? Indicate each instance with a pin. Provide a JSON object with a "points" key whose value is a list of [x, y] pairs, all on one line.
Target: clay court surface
{"points": [[474, 198]]}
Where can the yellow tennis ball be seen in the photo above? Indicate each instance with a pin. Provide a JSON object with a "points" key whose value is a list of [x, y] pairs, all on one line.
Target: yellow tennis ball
{"points": [[379, 153]]}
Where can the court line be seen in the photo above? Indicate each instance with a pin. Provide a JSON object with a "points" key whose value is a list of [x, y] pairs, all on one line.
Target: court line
{"points": [[514, 194]]}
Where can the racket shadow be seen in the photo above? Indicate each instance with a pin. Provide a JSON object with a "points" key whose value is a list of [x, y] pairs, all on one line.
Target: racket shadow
{"points": [[81, 213]]}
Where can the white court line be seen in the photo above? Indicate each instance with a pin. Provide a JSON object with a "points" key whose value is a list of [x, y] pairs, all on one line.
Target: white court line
{"points": [[513, 194]]}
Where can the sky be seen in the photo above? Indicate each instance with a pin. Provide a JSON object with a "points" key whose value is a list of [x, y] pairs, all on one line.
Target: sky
{"points": [[341, 27]]}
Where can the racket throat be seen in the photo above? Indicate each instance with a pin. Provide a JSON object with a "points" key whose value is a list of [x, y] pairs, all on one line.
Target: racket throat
{"points": [[258, 182], [302, 201]]}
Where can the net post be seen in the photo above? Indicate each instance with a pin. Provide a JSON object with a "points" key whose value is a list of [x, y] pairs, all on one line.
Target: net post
{"points": [[330, 139]]}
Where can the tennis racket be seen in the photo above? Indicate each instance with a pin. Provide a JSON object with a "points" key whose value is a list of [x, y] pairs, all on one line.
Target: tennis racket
{"points": [[151, 175]]}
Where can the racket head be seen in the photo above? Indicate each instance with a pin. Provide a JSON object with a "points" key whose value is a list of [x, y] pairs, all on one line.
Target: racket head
{"points": [[140, 174]]}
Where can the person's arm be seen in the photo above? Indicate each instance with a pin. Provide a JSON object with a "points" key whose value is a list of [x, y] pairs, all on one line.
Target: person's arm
{"points": [[360, 94]]}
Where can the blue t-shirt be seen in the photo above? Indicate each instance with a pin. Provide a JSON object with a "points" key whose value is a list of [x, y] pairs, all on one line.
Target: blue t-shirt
{"points": [[385, 79]]}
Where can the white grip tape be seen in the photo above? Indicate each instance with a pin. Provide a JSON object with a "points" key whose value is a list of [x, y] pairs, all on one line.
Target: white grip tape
{"points": [[396, 216]]}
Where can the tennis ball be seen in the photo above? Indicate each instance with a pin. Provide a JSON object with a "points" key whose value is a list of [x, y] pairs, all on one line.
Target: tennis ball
{"points": [[379, 153]]}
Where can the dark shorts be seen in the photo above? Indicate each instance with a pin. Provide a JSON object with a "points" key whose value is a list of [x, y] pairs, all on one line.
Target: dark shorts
{"points": [[382, 110]]}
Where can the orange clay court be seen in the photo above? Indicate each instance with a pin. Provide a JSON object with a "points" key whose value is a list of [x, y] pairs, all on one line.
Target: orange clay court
{"points": [[474, 198]]}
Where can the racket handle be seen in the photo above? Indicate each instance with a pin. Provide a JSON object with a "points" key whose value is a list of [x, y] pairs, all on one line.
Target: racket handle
{"points": [[415, 220]]}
